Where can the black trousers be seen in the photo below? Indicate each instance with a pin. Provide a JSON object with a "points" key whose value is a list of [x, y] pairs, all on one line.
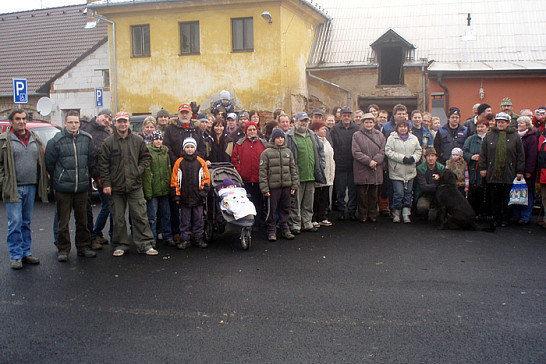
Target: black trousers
{"points": [[280, 198], [256, 197], [66, 202], [320, 203], [499, 196]]}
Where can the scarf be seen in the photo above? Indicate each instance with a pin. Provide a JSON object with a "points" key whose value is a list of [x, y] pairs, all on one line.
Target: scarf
{"points": [[522, 133], [500, 154], [481, 136], [24, 137], [403, 137]]}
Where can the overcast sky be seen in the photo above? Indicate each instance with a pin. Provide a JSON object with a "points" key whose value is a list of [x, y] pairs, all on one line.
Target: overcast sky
{"points": [[10, 6]]}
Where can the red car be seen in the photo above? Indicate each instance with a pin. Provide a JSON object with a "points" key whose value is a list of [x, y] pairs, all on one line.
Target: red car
{"points": [[44, 129]]}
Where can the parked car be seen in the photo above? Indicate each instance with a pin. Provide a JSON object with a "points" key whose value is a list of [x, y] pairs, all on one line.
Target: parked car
{"points": [[44, 129]]}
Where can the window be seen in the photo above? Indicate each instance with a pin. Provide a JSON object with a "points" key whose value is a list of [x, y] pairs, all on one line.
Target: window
{"points": [[391, 70], [189, 37], [242, 34], [141, 40]]}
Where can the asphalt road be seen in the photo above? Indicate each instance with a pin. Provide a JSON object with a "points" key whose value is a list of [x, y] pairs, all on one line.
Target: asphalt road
{"points": [[385, 293]]}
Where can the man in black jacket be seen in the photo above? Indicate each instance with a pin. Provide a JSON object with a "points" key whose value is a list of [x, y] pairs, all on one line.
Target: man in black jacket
{"points": [[69, 156]]}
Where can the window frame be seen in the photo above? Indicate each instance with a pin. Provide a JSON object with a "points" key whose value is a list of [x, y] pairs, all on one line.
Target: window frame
{"points": [[191, 36], [245, 29], [143, 53]]}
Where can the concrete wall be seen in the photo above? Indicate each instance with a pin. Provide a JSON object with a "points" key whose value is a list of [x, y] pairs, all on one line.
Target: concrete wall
{"points": [[76, 88]]}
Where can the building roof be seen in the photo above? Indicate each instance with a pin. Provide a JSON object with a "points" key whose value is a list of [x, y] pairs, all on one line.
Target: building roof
{"points": [[507, 34], [40, 45]]}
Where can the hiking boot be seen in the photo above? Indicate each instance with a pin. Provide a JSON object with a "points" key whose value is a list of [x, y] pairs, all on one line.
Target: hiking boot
{"points": [[201, 243], [101, 240], [288, 235], [62, 257], [88, 253], [16, 264], [29, 259], [183, 245], [272, 237], [95, 245]]}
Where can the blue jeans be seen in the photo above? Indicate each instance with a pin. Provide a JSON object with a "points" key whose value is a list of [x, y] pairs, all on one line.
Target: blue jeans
{"points": [[344, 182], [19, 215], [160, 204], [524, 212], [104, 212], [401, 194]]}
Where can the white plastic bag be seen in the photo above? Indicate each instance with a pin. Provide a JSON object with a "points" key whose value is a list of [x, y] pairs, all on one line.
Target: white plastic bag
{"points": [[519, 193]]}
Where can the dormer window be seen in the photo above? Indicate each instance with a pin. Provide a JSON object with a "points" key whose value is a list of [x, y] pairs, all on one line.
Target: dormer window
{"points": [[391, 51]]}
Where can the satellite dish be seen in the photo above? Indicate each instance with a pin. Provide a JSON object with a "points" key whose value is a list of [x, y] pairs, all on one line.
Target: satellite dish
{"points": [[44, 106]]}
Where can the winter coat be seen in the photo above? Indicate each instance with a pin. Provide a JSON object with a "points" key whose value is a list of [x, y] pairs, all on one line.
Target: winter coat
{"points": [[69, 158], [470, 125], [330, 169], [122, 161], [156, 181], [8, 178], [364, 151], [278, 169], [318, 150], [342, 138], [99, 133], [515, 159], [530, 148], [174, 138], [190, 180], [246, 158], [229, 106], [425, 183], [395, 150], [216, 152], [541, 160], [446, 139], [473, 145]]}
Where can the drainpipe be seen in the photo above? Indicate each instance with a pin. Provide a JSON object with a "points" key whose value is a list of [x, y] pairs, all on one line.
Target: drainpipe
{"points": [[101, 17], [446, 107], [333, 84], [424, 88]]}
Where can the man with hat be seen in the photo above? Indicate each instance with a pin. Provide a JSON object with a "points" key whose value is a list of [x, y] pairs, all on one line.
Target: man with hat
{"points": [[122, 161], [318, 115], [342, 138], [183, 128], [100, 128], [483, 112], [243, 119], [308, 153], [162, 117], [506, 107], [449, 136]]}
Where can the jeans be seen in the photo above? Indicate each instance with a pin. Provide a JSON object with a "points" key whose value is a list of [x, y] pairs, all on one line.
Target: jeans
{"points": [[345, 181], [152, 206], [19, 215], [524, 212], [104, 212], [401, 194]]}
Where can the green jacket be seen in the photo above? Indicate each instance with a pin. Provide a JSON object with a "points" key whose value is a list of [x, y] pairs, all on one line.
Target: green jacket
{"points": [[278, 169], [122, 161], [8, 180], [156, 180]]}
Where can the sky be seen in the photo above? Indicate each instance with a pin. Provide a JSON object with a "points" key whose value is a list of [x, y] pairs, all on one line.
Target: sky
{"points": [[10, 6]]}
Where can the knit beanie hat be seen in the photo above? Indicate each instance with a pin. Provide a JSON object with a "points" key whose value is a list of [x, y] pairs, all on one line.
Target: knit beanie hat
{"points": [[454, 111], [156, 134], [227, 182], [189, 141], [162, 112], [224, 95], [482, 108], [457, 151], [276, 134], [106, 112], [250, 123]]}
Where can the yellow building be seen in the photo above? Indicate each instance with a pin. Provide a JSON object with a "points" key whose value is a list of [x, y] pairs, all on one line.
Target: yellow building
{"points": [[173, 52]]}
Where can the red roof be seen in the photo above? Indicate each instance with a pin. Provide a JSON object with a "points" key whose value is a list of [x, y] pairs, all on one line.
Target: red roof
{"points": [[40, 45]]}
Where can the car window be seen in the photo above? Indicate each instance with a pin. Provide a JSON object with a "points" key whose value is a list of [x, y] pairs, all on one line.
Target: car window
{"points": [[45, 133]]}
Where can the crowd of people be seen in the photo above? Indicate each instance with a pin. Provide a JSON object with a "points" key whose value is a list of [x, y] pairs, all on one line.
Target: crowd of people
{"points": [[298, 170]]}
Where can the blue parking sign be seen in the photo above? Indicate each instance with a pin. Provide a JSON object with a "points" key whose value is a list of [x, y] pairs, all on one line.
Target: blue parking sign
{"points": [[98, 97], [20, 92]]}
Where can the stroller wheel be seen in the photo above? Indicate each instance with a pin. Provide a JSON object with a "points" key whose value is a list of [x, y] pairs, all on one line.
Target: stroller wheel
{"points": [[207, 231], [246, 238]]}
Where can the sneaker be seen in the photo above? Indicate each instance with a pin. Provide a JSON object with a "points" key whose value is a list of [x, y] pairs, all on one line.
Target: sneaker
{"points": [[29, 259], [62, 257], [16, 264], [151, 251], [118, 252], [272, 237], [95, 245], [288, 235], [316, 224], [183, 245], [325, 223], [88, 253], [201, 243]]}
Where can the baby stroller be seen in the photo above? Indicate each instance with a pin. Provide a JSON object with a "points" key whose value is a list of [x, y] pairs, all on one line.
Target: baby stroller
{"points": [[218, 220]]}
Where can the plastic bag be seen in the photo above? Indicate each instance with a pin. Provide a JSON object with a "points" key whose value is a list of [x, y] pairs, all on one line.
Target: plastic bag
{"points": [[519, 193]]}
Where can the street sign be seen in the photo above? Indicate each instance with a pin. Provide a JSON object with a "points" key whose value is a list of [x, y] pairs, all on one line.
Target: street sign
{"points": [[20, 91], [98, 97]]}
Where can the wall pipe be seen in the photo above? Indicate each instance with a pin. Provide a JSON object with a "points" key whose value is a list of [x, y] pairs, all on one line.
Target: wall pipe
{"points": [[101, 17], [446, 106], [333, 84]]}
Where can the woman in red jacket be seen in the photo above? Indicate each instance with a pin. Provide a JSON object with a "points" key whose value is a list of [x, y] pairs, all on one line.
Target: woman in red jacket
{"points": [[246, 159]]}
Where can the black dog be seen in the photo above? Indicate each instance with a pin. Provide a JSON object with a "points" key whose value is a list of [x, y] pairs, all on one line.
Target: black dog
{"points": [[453, 208]]}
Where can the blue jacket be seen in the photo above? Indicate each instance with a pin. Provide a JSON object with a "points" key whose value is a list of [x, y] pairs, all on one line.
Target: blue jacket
{"points": [[447, 139]]}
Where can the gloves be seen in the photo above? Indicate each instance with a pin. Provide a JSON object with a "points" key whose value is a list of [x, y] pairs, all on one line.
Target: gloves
{"points": [[205, 191], [408, 160], [194, 107]]}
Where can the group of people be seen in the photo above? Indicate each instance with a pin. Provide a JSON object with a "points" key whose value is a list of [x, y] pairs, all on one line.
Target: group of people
{"points": [[296, 170]]}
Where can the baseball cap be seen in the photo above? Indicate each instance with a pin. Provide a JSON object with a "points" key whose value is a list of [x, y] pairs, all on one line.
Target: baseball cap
{"points": [[346, 110], [122, 115], [232, 115], [184, 107], [301, 116], [244, 114], [317, 112], [506, 101], [502, 116], [202, 117]]}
